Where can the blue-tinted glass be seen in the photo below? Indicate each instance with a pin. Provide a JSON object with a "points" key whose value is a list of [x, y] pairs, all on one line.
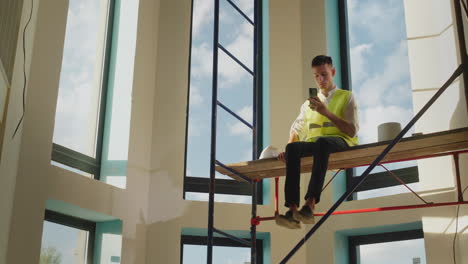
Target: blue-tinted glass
{"points": [[405, 251], [63, 244], [77, 112], [196, 254], [222, 198], [117, 127], [381, 80]]}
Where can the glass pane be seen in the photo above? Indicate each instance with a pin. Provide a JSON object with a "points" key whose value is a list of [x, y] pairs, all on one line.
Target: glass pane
{"points": [[77, 114], [121, 77], [222, 198], [234, 138], [236, 34], [63, 244], [379, 64], [119, 95], [388, 190], [405, 251], [236, 87], [111, 248], [196, 254], [199, 123]]}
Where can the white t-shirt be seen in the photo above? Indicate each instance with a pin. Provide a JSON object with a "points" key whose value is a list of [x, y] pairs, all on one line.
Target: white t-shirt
{"points": [[351, 114]]}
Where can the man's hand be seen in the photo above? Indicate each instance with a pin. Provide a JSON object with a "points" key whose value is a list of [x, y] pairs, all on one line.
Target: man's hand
{"points": [[317, 105], [282, 157]]}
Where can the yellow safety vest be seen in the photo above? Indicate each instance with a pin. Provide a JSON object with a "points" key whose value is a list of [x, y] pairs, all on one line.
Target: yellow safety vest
{"points": [[320, 126]]}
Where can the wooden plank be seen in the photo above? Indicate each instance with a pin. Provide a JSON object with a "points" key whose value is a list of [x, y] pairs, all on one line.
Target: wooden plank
{"points": [[408, 148]]}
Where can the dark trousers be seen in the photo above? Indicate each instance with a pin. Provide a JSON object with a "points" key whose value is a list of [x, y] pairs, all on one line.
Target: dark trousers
{"points": [[320, 150]]}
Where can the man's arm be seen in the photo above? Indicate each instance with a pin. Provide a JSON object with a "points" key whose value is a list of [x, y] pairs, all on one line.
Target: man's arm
{"points": [[346, 127], [293, 138]]}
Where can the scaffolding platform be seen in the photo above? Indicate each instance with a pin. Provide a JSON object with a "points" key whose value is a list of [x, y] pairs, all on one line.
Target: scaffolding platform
{"points": [[410, 148]]}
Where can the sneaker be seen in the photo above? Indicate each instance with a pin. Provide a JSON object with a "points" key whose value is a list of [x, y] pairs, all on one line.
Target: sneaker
{"points": [[305, 215], [288, 220]]}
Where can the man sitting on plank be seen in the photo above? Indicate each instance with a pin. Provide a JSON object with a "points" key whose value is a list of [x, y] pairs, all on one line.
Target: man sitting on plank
{"points": [[326, 123]]}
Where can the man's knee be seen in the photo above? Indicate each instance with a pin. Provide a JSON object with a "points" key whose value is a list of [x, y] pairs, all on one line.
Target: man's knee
{"points": [[292, 147]]}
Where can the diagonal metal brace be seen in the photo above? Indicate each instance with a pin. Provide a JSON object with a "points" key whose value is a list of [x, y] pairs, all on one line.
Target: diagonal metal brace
{"points": [[245, 178], [237, 239]]}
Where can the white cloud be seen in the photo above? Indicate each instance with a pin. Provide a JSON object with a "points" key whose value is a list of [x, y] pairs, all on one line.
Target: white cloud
{"points": [[371, 117], [202, 60], [374, 89], [246, 113], [202, 14], [242, 48], [196, 99], [239, 128], [358, 61], [379, 19], [247, 6], [195, 126]]}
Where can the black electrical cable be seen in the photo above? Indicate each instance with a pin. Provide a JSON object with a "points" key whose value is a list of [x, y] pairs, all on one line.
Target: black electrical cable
{"points": [[456, 230], [24, 68]]}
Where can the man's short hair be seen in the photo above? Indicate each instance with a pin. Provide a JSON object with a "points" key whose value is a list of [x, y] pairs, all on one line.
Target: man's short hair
{"points": [[322, 60]]}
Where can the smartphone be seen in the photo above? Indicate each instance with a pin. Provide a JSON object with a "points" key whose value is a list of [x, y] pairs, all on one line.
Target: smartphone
{"points": [[312, 92]]}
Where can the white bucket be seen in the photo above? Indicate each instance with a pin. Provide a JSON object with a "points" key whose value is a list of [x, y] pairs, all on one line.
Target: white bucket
{"points": [[388, 131]]}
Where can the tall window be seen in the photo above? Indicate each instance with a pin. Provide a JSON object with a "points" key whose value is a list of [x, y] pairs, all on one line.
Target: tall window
{"points": [[66, 239], [388, 248], [93, 106], [238, 130], [225, 251], [375, 43]]}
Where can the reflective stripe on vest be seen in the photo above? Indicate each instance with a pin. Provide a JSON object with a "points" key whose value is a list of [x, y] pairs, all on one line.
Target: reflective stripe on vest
{"points": [[320, 126]]}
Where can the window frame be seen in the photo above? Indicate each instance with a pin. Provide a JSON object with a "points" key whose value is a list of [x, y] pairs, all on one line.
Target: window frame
{"points": [[375, 180], [218, 241], [355, 241], [77, 223], [228, 186], [75, 159]]}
